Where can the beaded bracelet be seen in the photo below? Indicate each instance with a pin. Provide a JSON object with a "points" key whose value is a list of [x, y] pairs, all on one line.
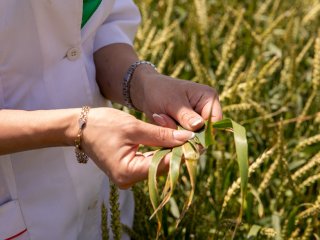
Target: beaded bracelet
{"points": [[80, 155], [127, 80]]}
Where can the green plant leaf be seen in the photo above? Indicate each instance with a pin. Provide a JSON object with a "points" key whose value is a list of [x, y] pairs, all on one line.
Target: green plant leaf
{"points": [[173, 176], [191, 156], [152, 177], [240, 140], [254, 231], [174, 209], [200, 136], [152, 181], [209, 131]]}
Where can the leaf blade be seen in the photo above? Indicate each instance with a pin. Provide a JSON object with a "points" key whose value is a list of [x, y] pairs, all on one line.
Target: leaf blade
{"points": [[152, 183]]}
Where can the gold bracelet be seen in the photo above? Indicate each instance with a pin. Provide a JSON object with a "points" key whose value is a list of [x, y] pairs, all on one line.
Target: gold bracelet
{"points": [[80, 155]]}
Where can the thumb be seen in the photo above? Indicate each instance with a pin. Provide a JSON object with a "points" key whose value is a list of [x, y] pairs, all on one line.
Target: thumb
{"points": [[186, 116], [152, 135]]}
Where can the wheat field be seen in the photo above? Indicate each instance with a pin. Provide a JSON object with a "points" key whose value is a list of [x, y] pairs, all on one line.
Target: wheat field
{"points": [[263, 57]]}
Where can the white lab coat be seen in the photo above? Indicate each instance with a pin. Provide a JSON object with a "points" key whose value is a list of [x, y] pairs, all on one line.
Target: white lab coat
{"points": [[46, 62]]}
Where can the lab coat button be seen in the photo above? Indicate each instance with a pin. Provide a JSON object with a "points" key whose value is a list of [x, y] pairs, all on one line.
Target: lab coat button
{"points": [[73, 53]]}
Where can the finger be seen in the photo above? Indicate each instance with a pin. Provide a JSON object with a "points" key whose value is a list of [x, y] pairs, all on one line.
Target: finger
{"points": [[164, 120], [152, 135], [186, 116], [138, 168], [216, 113]]}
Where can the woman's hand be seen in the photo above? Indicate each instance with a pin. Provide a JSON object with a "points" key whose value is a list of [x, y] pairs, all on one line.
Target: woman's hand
{"points": [[167, 100], [173, 100], [112, 137]]}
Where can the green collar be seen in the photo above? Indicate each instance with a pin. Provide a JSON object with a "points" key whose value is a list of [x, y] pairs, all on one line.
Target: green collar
{"points": [[89, 7]]}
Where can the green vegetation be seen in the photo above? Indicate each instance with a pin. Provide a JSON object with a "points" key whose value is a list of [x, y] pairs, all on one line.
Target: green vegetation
{"points": [[263, 57]]}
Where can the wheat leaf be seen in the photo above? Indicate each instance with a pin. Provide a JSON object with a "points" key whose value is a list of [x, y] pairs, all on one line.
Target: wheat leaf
{"points": [[241, 144], [200, 136], [152, 177], [173, 176], [208, 130], [152, 182], [254, 231], [191, 156]]}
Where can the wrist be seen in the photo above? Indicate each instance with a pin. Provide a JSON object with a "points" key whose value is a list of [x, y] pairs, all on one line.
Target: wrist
{"points": [[138, 89], [72, 126]]}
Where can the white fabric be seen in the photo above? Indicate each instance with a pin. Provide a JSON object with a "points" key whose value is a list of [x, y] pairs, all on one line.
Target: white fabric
{"points": [[10, 216], [58, 198]]}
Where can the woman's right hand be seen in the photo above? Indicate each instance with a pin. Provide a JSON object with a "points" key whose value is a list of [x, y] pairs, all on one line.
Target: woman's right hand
{"points": [[111, 139]]}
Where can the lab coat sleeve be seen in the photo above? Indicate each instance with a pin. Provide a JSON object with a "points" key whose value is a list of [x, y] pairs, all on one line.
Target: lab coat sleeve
{"points": [[120, 26]]}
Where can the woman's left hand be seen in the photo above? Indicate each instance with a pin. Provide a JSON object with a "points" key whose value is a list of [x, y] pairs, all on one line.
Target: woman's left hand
{"points": [[166, 100]]}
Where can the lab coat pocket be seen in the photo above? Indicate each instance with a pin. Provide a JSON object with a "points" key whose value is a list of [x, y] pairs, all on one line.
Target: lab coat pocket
{"points": [[12, 225]]}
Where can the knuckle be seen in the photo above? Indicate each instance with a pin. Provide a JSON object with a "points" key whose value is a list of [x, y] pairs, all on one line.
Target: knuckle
{"points": [[161, 134], [210, 90], [130, 127], [215, 93], [185, 116]]}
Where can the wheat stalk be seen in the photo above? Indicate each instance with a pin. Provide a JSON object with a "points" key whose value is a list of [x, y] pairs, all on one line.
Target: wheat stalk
{"points": [[202, 16], [308, 231], [309, 212], [104, 222], [312, 14], [267, 177], [168, 13], [315, 80], [317, 202], [178, 68], [237, 107], [274, 9], [304, 50], [316, 65], [253, 33], [115, 212], [236, 184], [165, 57], [262, 9], [229, 93], [222, 23], [284, 229], [315, 160], [201, 11], [274, 24], [229, 44], [146, 44], [286, 76], [258, 108], [309, 181], [195, 58], [268, 232], [265, 70], [143, 31], [234, 72], [294, 235], [166, 34], [307, 142]]}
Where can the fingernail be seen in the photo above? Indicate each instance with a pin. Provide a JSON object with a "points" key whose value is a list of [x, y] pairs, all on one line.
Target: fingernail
{"points": [[195, 121], [158, 119], [183, 135]]}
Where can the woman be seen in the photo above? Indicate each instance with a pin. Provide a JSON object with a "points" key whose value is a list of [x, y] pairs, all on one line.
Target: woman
{"points": [[56, 57]]}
